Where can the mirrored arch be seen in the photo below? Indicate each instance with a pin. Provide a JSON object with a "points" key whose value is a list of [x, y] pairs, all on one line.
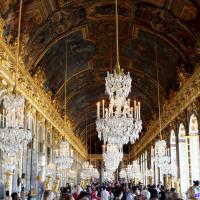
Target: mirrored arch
{"points": [[173, 148], [193, 147], [183, 159]]}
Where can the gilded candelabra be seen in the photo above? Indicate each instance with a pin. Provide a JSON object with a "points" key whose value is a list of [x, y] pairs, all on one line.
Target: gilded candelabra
{"points": [[7, 182], [56, 185], [47, 183]]}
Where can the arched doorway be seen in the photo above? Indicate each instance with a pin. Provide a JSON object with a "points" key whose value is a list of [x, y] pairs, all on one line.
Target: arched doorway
{"points": [[193, 150], [183, 159]]}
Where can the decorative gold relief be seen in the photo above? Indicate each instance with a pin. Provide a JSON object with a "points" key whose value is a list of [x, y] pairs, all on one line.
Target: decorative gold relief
{"points": [[7, 181], [37, 97], [188, 12], [182, 75], [177, 185], [167, 181], [56, 185], [186, 96], [47, 183], [8, 36], [39, 77]]}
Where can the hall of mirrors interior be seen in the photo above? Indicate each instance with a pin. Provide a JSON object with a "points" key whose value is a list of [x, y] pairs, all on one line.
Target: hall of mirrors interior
{"points": [[95, 92]]}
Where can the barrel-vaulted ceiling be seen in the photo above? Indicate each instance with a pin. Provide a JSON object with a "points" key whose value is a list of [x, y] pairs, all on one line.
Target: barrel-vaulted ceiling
{"points": [[81, 33]]}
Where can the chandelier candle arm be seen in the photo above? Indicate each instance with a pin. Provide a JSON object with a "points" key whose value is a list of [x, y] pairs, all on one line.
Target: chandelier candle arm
{"points": [[118, 71], [139, 110]]}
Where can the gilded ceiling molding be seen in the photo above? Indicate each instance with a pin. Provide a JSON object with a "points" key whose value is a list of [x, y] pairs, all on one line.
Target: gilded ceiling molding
{"points": [[37, 97], [186, 95]]}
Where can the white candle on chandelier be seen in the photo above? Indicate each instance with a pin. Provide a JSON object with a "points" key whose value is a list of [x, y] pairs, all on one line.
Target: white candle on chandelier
{"points": [[29, 121], [11, 118], [103, 102], [137, 112], [21, 116], [3, 120], [139, 109], [129, 103], [134, 109], [72, 153], [98, 110]]}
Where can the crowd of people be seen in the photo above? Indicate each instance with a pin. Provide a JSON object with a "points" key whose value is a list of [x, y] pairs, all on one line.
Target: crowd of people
{"points": [[118, 191], [123, 191]]}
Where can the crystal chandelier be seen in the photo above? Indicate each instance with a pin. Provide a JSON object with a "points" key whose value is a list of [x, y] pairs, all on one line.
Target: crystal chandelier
{"points": [[51, 169], [122, 173], [119, 123], [149, 173], [9, 162], [161, 157], [108, 175], [85, 173], [112, 155], [95, 173], [169, 168], [13, 133], [135, 171], [63, 158], [88, 171], [129, 171], [72, 174]]}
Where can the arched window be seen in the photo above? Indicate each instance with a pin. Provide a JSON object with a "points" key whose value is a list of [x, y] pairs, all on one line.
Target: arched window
{"points": [[194, 157], [183, 159]]}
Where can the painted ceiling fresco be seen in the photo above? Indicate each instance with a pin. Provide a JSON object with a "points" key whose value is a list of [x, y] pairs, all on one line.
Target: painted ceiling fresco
{"points": [[66, 58], [81, 33]]}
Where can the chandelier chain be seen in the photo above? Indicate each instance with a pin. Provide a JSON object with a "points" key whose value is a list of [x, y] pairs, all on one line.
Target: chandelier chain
{"points": [[158, 85], [66, 62], [117, 38], [18, 45]]}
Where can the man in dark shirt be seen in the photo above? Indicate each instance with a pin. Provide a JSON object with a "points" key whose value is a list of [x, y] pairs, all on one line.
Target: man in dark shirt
{"points": [[162, 194], [153, 191]]}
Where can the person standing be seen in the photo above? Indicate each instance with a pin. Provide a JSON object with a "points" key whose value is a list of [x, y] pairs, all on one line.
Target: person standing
{"points": [[162, 193], [48, 195], [105, 194], [94, 194], [2, 190]]}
